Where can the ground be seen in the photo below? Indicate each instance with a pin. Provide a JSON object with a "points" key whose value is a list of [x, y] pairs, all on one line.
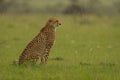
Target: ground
{"points": [[86, 48]]}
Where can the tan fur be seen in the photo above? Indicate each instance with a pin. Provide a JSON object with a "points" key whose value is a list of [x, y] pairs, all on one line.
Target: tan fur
{"points": [[40, 46]]}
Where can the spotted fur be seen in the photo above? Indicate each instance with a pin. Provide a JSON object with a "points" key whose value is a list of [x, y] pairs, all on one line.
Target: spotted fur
{"points": [[39, 47]]}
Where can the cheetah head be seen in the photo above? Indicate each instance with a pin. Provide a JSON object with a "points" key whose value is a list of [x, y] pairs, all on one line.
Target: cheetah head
{"points": [[53, 22]]}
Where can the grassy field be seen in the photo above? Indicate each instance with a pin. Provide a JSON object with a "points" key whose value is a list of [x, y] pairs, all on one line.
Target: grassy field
{"points": [[86, 48]]}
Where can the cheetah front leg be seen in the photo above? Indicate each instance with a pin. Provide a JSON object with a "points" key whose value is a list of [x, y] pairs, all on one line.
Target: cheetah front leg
{"points": [[46, 51], [44, 58]]}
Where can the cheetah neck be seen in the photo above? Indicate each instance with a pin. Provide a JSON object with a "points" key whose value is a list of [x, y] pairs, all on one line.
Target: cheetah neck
{"points": [[48, 29]]}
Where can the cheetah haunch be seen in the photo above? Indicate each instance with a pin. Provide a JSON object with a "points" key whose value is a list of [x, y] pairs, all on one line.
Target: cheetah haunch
{"points": [[39, 47]]}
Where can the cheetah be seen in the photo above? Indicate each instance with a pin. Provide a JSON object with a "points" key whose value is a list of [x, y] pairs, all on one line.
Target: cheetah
{"points": [[39, 48]]}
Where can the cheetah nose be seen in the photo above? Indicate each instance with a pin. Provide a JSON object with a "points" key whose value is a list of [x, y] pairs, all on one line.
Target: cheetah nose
{"points": [[59, 23]]}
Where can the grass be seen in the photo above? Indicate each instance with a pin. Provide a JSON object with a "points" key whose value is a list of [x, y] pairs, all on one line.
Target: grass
{"points": [[86, 48]]}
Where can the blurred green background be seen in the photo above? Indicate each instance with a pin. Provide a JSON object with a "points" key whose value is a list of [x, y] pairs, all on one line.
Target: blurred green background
{"points": [[87, 45], [61, 6]]}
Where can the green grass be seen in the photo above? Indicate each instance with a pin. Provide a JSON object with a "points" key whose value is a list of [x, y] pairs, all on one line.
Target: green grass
{"points": [[86, 48]]}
